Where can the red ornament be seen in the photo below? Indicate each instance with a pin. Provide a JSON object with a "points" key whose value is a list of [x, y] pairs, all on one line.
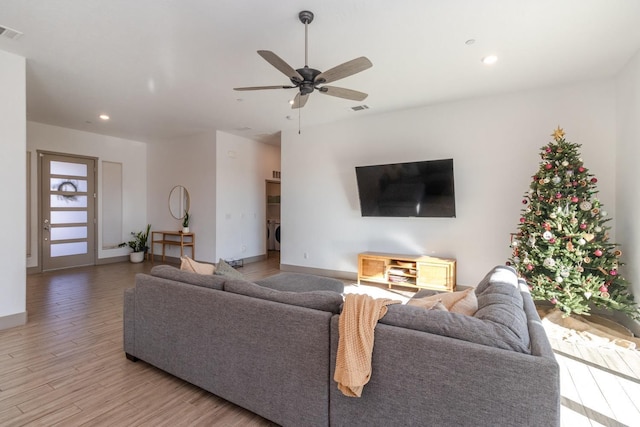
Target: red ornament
{"points": [[583, 226], [574, 183], [613, 273], [575, 199], [524, 201], [553, 301], [597, 252], [522, 220], [529, 267], [552, 240], [548, 149], [603, 288], [558, 195], [594, 180], [548, 166], [580, 169]]}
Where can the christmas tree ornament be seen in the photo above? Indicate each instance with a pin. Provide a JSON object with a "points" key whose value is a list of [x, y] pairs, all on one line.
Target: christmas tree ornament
{"points": [[573, 257], [585, 205], [603, 288]]}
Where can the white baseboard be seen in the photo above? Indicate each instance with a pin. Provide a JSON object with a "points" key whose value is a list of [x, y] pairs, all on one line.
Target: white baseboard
{"points": [[13, 320]]}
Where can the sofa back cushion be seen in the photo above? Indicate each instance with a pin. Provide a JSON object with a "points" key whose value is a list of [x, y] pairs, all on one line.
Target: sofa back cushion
{"points": [[318, 300], [499, 322], [500, 302], [205, 280]]}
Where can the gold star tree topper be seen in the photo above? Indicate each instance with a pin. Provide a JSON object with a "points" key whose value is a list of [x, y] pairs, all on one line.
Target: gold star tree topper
{"points": [[558, 134]]}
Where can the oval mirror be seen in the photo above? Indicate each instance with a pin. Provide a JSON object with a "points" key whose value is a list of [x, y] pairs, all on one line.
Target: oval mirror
{"points": [[179, 201]]}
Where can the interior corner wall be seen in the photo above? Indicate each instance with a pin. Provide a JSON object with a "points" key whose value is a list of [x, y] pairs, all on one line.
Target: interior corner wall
{"points": [[13, 173], [628, 172], [242, 168], [189, 162], [495, 144], [132, 155]]}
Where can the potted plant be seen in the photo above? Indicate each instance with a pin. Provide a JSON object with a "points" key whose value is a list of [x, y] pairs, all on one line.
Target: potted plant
{"points": [[138, 244], [185, 222]]}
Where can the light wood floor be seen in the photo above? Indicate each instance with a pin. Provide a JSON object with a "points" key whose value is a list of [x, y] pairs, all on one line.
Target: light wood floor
{"points": [[66, 367]]}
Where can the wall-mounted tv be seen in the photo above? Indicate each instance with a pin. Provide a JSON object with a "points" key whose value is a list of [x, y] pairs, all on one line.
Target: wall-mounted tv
{"points": [[414, 189]]}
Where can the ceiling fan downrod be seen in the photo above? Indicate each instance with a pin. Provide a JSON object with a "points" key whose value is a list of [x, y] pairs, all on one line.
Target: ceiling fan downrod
{"points": [[306, 17]]}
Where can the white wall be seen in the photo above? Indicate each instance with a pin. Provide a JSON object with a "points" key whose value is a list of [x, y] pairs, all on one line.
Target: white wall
{"points": [[242, 168], [13, 174], [628, 170], [189, 162], [494, 142], [132, 155]]}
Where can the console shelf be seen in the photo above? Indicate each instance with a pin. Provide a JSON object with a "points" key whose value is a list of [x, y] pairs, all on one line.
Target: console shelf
{"points": [[407, 270]]}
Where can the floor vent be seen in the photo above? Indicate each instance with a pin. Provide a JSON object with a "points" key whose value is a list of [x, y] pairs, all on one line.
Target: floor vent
{"points": [[10, 33], [360, 107]]}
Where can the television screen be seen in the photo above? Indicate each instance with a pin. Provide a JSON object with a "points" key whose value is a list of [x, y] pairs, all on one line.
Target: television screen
{"points": [[420, 189]]}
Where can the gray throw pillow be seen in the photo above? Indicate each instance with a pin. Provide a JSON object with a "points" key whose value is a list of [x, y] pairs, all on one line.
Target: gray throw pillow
{"points": [[224, 269]]}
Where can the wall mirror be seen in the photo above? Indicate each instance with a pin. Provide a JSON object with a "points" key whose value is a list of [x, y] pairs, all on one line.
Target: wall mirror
{"points": [[179, 201]]}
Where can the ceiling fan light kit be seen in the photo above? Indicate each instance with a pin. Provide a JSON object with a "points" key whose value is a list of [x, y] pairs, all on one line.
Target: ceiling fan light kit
{"points": [[307, 80]]}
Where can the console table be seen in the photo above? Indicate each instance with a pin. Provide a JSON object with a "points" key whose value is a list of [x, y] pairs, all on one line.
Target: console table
{"points": [[173, 238], [414, 271]]}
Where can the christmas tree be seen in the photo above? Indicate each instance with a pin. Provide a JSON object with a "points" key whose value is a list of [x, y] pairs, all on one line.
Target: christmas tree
{"points": [[562, 247]]}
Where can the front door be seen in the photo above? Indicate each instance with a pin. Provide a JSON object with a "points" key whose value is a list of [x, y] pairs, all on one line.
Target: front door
{"points": [[67, 211]]}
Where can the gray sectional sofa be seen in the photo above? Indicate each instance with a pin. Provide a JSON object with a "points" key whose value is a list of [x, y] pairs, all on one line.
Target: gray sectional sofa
{"points": [[270, 347]]}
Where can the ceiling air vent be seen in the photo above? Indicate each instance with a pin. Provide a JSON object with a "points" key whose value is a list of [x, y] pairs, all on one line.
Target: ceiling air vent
{"points": [[360, 107], [10, 33]]}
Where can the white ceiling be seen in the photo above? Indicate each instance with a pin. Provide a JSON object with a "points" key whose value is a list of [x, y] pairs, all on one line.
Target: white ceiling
{"points": [[163, 69]]}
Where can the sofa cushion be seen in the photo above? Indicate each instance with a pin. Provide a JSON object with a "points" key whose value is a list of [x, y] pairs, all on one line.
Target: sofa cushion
{"points": [[298, 282], [187, 264], [500, 302], [499, 322], [463, 302], [224, 269], [319, 300], [205, 280]]}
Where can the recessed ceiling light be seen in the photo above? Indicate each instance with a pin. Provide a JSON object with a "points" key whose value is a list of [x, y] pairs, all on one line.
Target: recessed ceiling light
{"points": [[104, 117], [489, 60]]}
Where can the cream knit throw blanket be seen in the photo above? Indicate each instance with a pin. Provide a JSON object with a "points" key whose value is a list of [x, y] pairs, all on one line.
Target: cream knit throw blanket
{"points": [[358, 319]]}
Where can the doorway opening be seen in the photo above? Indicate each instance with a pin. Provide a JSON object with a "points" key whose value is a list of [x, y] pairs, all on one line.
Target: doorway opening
{"points": [[273, 218]]}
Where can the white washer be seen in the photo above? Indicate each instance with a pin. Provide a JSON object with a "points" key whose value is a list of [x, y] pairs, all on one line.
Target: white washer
{"points": [[271, 232], [276, 234]]}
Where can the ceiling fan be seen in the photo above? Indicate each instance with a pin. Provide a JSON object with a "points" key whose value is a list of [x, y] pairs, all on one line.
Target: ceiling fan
{"points": [[309, 79]]}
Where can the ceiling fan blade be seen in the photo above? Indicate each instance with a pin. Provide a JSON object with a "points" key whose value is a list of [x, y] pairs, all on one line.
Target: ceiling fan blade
{"points": [[341, 92], [299, 101], [279, 63], [344, 70], [263, 87]]}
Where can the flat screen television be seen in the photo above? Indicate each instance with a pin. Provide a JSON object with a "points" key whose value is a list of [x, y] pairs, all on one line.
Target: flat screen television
{"points": [[414, 189]]}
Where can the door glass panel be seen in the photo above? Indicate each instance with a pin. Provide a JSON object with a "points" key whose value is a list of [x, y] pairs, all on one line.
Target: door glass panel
{"points": [[60, 201], [65, 249], [64, 168], [68, 233], [68, 217], [72, 185]]}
